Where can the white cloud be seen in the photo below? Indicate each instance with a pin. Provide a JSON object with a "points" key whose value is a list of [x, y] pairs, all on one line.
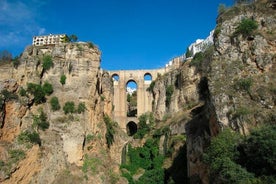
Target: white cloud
{"points": [[19, 21]]}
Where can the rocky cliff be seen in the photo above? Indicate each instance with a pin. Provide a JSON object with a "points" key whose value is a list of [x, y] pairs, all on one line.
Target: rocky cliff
{"points": [[231, 84], [70, 138]]}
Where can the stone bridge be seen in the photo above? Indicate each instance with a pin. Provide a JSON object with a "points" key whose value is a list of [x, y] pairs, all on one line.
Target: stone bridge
{"points": [[143, 79]]}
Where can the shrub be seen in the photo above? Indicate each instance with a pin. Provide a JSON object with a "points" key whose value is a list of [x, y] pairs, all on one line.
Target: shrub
{"points": [[90, 164], [244, 84], [16, 155], [81, 107], [54, 103], [69, 107], [188, 53], [198, 57], [40, 121], [63, 79], [37, 91], [147, 158], [29, 136], [22, 92], [47, 88], [15, 62], [169, 92], [150, 88], [221, 156], [110, 130], [222, 8], [246, 27], [47, 62], [8, 96], [143, 127], [91, 45], [259, 151]]}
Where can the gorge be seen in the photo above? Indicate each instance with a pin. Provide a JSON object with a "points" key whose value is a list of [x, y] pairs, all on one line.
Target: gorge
{"points": [[63, 119]]}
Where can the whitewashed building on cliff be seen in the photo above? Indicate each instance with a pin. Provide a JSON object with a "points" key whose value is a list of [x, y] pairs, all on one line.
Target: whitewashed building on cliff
{"points": [[49, 39]]}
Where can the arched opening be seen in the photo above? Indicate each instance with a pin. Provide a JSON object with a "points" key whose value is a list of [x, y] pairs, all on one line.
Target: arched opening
{"points": [[131, 90], [131, 128], [147, 78], [115, 77]]}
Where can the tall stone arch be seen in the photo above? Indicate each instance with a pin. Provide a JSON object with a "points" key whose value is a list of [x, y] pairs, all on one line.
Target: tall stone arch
{"points": [[144, 97]]}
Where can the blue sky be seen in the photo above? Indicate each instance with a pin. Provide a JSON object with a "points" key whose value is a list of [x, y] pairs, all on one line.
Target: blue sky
{"points": [[131, 34]]}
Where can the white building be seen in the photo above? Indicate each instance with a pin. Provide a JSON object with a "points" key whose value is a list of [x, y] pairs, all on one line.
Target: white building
{"points": [[49, 39], [200, 45]]}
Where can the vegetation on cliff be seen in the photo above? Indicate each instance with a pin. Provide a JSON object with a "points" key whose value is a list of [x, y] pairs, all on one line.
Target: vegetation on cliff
{"points": [[236, 159]]}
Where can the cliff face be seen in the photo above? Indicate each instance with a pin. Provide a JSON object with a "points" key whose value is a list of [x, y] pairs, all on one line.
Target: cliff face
{"points": [[232, 84], [64, 144]]}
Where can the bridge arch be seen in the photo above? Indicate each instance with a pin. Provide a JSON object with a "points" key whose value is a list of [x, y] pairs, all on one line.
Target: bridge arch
{"points": [[115, 77], [143, 79], [131, 128], [147, 77]]}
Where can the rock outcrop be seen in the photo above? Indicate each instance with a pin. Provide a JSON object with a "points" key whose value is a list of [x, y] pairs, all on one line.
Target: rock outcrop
{"points": [[64, 144]]}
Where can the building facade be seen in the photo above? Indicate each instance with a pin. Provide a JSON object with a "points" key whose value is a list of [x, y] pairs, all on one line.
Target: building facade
{"points": [[49, 39]]}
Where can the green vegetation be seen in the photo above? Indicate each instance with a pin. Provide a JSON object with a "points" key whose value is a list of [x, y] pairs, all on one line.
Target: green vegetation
{"points": [[29, 137], [91, 45], [143, 127], [217, 31], [15, 62], [147, 159], [235, 160], [222, 8], [169, 92], [132, 104], [244, 84], [69, 107], [47, 88], [62, 79], [150, 88], [89, 137], [8, 96], [40, 121], [73, 38], [54, 103], [90, 164], [37, 91], [22, 92], [110, 130], [81, 108], [16, 155], [246, 28], [47, 62], [198, 57], [258, 153], [188, 53]]}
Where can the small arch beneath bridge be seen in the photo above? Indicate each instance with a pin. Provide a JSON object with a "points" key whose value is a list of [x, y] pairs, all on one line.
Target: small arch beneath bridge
{"points": [[131, 128]]}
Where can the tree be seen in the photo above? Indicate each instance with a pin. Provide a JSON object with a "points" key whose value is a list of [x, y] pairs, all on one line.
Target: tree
{"points": [[73, 38], [259, 151], [81, 107], [15, 62], [62, 79], [47, 88], [54, 103], [246, 27], [69, 107], [188, 53], [47, 62], [40, 121], [5, 56], [37, 91]]}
